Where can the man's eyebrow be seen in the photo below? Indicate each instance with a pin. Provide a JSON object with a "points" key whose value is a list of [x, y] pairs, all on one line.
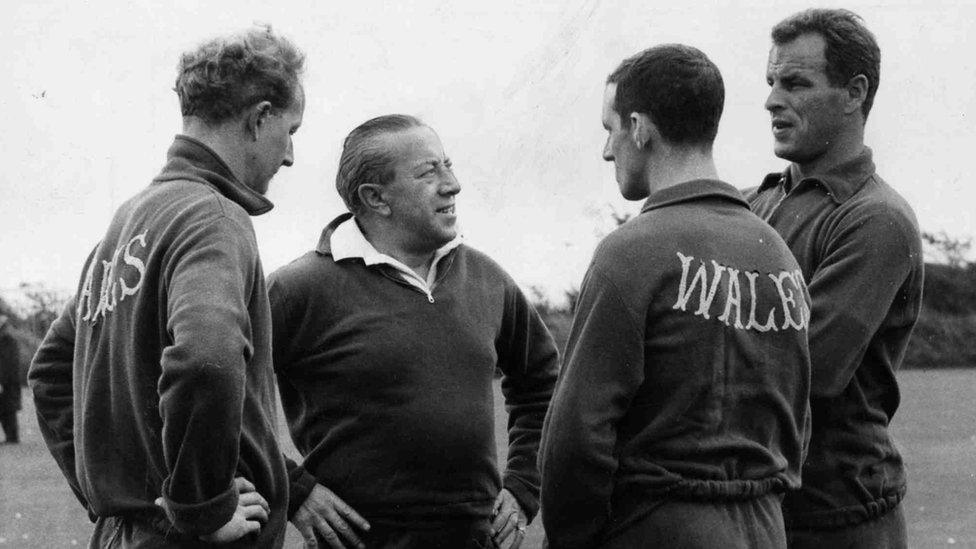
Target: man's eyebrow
{"points": [[787, 73], [432, 161], [794, 75]]}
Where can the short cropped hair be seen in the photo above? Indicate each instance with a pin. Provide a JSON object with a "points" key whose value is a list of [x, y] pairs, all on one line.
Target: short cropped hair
{"points": [[365, 160], [225, 75], [678, 86], [851, 48]]}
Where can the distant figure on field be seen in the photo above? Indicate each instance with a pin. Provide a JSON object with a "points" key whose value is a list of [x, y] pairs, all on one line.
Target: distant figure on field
{"points": [[9, 382], [858, 244], [680, 416], [386, 340], [156, 380]]}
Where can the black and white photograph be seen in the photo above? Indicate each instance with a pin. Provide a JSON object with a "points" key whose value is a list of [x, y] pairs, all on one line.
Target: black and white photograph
{"points": [[562, 274]]}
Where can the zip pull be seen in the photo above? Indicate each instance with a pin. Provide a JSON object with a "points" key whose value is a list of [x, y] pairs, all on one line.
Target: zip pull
{"points": [[430, 298]]}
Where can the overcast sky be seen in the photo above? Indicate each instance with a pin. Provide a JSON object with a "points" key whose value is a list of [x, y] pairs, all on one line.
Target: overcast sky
{"points": [[513, 88]]}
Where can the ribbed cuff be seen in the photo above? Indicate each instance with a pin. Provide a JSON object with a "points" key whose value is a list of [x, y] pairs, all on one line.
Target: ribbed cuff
{"points": [[197, 519], [300, 485], [527, 496]]}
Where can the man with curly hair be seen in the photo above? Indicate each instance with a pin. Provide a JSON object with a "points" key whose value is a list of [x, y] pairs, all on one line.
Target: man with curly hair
{"points": [[154, 388]]}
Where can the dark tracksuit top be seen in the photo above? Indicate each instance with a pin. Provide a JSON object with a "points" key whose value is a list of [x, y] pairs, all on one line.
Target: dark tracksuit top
{"points": [[388, 395], [686, 373], [858, 245], [156, 380]]}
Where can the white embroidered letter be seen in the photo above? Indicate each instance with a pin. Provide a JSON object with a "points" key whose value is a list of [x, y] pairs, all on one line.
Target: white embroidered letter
{"points": [[684, 290], [706, 302], [770, 320], [733, 297], [135, 262], [85, 299], [786, 296]]}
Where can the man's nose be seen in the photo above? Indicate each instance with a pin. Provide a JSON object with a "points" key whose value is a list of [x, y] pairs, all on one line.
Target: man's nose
{"points": [[774, 100], [289, 155], [607, 153], [450, 184]]}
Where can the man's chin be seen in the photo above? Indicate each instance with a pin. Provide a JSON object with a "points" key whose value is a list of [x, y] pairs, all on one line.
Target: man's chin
{"points": [[633, 192], [448, 236], [786, 151], [260, 188]]}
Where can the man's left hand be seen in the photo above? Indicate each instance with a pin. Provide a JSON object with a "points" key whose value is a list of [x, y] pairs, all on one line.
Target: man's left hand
{"points": [[508, 519]]}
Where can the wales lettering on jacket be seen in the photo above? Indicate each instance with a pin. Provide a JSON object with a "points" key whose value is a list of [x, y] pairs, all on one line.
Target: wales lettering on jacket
{"points": [[740, 295], [119, 277]]}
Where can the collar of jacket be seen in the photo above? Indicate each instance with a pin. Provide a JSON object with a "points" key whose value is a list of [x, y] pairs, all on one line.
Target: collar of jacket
{"points": [[325, 239], [190, 160], [696, 189], [840, 182]]}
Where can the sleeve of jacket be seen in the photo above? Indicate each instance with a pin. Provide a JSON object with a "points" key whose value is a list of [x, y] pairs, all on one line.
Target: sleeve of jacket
{"points": [[604, 366], [868, 259], [300, 481], [529, 361], [210, 279], [51, 381]]}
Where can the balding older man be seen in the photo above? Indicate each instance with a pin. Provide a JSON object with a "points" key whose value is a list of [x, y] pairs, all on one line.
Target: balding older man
{"points": [[386, 340]]}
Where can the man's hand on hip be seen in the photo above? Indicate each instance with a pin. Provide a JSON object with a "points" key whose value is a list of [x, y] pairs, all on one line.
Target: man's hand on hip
{"points": [[252, 511], [324, 515], [508, 519]]}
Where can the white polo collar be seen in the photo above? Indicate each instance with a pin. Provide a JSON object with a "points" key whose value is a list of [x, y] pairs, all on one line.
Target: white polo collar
{"points": [[348, 242]]}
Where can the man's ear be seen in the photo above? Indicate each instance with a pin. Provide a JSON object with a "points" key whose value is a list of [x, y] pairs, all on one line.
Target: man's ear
{"points": [[257, 116], [643, 130], [371, 195], [857, 93]]}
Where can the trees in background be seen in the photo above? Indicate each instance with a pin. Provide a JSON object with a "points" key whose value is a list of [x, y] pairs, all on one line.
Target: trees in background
{"points": [[954, 252], [31, 314]]}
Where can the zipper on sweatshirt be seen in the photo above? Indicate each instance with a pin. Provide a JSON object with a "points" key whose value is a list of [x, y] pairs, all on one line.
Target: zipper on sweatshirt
{"points": [[429, 294]]}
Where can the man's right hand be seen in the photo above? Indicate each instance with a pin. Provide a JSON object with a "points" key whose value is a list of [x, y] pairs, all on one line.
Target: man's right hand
{"points": [[324, 515], [252, 510]]}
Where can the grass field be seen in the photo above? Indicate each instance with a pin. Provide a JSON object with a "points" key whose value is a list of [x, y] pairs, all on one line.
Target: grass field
{"points": [[935, 428]]}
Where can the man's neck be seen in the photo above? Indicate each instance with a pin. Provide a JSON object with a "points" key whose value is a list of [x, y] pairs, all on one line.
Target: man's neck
{"points": [[843, 149], [679, 166], [221, 139], [418, 262]]}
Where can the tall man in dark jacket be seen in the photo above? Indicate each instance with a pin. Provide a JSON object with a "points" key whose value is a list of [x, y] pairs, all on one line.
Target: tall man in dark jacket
{"points": [[858, 245], [154, 388], [680, 416], [386, 340], [9, 382]]}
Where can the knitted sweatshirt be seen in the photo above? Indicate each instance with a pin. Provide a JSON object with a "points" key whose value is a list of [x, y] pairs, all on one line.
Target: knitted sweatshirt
{"points": [[858, 245], [687, 370], [156, 380], [388, 395]]}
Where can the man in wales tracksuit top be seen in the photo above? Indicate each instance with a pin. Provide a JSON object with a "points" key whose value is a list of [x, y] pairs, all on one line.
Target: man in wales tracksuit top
{"points": [[680, 416], [154, 389], [858, 245], [386, 341]]}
